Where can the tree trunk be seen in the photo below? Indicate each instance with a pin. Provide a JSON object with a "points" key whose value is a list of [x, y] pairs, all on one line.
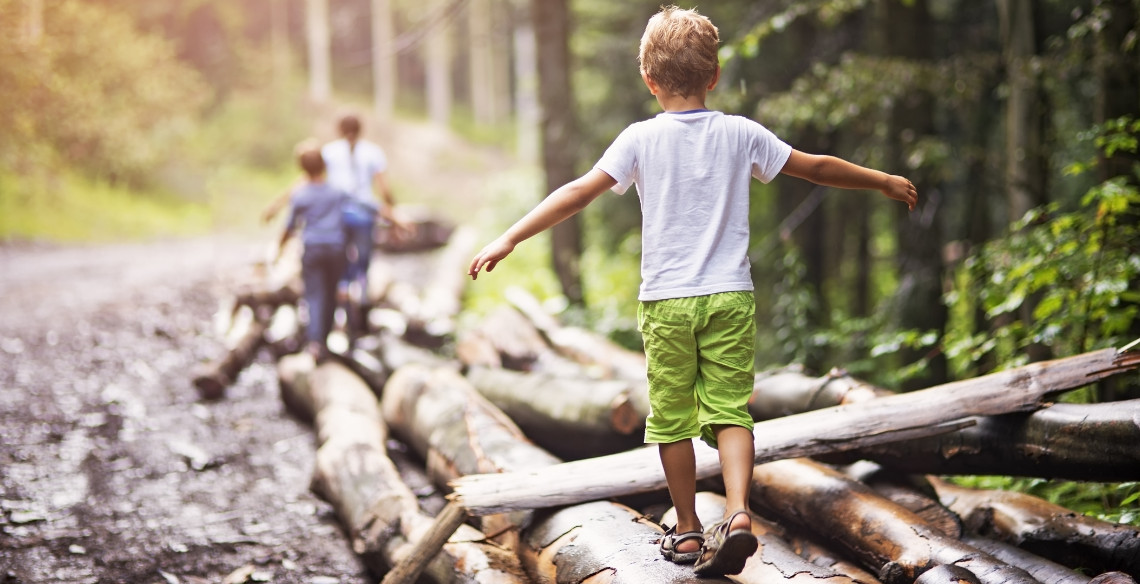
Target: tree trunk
{"points": [[898, 417], [881, 534], [384, 78], [484, 53], [1045, 529], [1024, 116], [320, 60], [353, 472], [551, 20], [505, 338], [572, 418], [527, 112], [788, 391], [437, 63], [600, 542], [279, 42]]}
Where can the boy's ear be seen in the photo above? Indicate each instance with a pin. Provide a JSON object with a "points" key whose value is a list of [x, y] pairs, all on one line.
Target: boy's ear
{"points": [[715, 78], [651, 84]]}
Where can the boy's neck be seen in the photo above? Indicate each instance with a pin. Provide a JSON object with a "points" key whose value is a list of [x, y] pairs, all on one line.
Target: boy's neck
{"points": [[677, 103]]}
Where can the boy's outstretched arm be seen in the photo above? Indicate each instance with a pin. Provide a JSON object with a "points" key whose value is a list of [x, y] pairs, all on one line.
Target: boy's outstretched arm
{"points": [[836, 172], [560, 205]]}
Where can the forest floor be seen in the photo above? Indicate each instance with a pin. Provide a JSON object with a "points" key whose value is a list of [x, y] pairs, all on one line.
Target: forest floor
{"points": [[113, 468]]}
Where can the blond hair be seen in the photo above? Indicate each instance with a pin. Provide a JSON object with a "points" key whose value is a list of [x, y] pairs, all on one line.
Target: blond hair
{"points": [[679, 51]]}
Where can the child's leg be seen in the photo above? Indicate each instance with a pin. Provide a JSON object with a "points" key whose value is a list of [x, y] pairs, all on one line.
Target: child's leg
{"points": [[679, 463], [737, 453]]}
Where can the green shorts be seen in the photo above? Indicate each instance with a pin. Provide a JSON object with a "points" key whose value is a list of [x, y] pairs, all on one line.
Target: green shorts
{"points": [[701, 364]]}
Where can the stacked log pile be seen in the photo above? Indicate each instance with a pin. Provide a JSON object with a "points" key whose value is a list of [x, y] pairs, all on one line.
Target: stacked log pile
{"points": [[533, 431]]}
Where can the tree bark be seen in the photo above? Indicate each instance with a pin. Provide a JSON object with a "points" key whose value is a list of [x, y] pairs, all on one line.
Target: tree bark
{"points": [[353, 472], [881, 534], [1043, 570], [1052, 442], [600, 542], [384, 78], [560, 139], [774, 560], [437, 64], [320, 60], [1045, 529], [898, 417], [571, 418]]}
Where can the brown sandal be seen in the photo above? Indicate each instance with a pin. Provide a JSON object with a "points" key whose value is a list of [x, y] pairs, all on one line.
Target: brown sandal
{"points": [[672, 539], [726, 552]]}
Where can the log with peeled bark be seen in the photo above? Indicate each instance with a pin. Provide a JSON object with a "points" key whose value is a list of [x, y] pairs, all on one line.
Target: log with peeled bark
{"points": [[1045, 529], [1094, 442], [897, 417], [353, 472], [774, 559], [883, 535], [600, 543], [572, 418], [1043, 570], [457, 432]]}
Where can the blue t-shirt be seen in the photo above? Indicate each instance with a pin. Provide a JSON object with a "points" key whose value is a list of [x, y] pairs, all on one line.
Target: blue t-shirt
{"points": [[319, 209]]}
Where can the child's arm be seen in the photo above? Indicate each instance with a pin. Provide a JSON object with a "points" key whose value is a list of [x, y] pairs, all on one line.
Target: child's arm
{"points": [[836, 172], [280, 202], [563, 203]]}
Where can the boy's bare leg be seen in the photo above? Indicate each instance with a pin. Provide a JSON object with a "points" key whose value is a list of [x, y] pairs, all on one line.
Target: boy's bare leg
{"points": [[737, 455], [680, 465]]}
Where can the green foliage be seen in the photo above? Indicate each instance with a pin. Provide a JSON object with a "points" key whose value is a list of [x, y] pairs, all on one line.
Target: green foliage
{"points": [[1058, 279], [1115, 502], [94, 91]]}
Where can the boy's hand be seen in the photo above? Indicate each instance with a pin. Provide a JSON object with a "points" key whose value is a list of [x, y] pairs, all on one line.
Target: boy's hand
{"points": [[901, 189], [490, 256]]}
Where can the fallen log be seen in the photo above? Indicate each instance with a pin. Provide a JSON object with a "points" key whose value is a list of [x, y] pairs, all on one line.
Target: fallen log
{"points": [[1084, 442], [788, 391], [893, 418], [1053, 442], [507, 339], [606, 358], [600, 542], [1045, 529], [1043, 570], [457, 432], [881, 534], [571, 418], [353, 472], [774, 559], [213, 378]]}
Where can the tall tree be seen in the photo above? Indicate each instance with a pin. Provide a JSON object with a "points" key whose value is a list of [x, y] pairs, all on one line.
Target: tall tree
{"points": [[279, 41], [1024, 119], [559, 134], [383, 59], [437, 57], [918, 301], [486, 60], [320, 60]]}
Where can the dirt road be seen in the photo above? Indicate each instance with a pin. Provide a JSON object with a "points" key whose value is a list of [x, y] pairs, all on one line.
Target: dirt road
{"points": [[113, 469]]}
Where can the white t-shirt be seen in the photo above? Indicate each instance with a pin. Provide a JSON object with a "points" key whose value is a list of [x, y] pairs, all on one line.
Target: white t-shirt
{"points": [[692, 171], [352, 169]]}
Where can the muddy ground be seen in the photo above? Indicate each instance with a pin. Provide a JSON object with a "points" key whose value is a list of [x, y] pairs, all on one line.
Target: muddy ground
{"points": [[113, 469]]}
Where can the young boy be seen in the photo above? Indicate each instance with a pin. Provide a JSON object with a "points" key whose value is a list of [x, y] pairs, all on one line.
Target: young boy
{"points": [[692, 168], [318, 208]]}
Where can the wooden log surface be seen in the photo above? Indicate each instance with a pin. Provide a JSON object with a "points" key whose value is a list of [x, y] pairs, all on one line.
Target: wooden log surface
{"points": [[845, 427], [1093, 442], [212, 379], [573, 418], [353, 472], [600, 542], [883, 535], [1045, 529], [775, 560]]}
